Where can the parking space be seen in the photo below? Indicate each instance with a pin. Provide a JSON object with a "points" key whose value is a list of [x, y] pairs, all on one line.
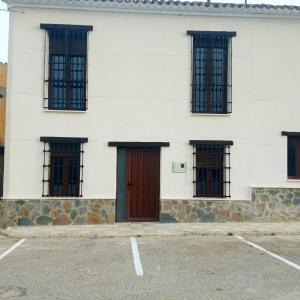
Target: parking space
{"points": [[5, 244], [287, 246], [68, 268], [173, 268], [216, 268]]}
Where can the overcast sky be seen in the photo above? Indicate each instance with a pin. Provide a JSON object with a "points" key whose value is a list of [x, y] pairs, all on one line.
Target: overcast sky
{"points": [[4, 20]]}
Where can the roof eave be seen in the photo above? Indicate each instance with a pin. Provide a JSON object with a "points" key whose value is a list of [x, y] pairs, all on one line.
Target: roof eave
{"points": [[114, 6]]}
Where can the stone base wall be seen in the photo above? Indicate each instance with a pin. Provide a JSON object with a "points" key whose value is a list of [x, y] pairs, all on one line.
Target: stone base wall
{"points": [[58, 212], [266, 205]]}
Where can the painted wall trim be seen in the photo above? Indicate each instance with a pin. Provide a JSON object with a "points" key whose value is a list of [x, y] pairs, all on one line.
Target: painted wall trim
{"points": [[290, 133], [49, 139], [66, 27], [121, 186], [223, 33], [138, 144], [208, 142]]}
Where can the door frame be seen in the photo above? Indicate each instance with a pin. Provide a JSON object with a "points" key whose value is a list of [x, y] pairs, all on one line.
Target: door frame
{"points": [[125, 145]]}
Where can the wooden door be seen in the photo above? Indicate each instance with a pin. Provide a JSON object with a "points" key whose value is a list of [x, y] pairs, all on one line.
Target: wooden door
{"points": [[142, 184]]}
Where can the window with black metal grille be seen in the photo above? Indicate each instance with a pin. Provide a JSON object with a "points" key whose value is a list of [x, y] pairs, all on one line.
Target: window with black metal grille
{"points": [[63, 167], [65, 67], [211, 164], [211, 65]]}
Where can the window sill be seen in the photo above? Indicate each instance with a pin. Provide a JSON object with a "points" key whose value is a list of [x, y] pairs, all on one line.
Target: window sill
{"points": [[60, 198], [284, 185], [211, 114], [212, 198], [206, 199], [293, 180], [64, 111]]}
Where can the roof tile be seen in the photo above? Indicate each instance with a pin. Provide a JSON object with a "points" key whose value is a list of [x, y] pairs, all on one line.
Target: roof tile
{"points": [[167, 4]]}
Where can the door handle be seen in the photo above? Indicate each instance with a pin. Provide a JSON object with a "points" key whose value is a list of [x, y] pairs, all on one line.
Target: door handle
{"points": [[129, 184]]}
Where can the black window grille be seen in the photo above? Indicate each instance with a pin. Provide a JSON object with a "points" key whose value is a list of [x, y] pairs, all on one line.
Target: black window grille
{"points": [[211, 86], [63, 167], [211, 165], [66, 67]]}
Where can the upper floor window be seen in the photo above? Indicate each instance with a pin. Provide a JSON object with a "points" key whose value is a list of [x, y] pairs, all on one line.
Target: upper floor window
{"points": [[211, 86], [63, 166], [66, 67], [211, 168]]}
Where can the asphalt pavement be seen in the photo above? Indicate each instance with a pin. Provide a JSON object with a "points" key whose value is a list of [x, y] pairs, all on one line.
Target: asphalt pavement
{"points": [[178, 267]]}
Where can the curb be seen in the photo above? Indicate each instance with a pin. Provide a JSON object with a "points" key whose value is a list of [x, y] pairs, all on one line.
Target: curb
{"points": [[149, 234]]}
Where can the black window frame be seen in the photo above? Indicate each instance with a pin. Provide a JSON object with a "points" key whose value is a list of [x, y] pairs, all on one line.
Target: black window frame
{"points": [[66, 66], [293, 154], [211, 80], [63, 166], [211, 169]]}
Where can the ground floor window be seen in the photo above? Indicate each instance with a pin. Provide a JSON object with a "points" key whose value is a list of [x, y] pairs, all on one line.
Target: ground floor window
{"points": [[293, 154], [294, 157], [211, 168], [63, 167]]}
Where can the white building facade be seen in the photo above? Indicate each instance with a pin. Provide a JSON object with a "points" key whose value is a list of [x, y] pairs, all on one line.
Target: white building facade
{"points": [[152, 111]]}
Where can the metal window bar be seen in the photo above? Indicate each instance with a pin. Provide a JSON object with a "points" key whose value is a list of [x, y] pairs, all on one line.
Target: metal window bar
{"points": [[211, 171], [65, 87], [211, 66], [63, 169]]}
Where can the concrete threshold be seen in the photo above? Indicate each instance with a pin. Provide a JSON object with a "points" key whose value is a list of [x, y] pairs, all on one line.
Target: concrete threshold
{"points": [[153, 229]]}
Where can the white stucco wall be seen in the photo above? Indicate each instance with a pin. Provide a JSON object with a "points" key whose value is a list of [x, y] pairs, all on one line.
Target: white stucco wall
{"points": [[139, 90]]}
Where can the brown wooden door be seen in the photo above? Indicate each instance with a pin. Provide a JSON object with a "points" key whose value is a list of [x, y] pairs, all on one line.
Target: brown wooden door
{"points": [[142, 184]]}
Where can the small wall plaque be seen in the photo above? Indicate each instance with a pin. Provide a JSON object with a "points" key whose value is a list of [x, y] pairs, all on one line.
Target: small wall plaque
{"points": [[178, 167]]}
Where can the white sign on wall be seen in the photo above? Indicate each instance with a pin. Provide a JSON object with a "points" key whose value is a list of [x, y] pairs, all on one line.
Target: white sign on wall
{"points": [[178, 167]]}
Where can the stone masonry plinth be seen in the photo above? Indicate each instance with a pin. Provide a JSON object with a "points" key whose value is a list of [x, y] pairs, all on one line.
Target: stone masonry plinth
{"points": [[58, 212], [266, 205]]}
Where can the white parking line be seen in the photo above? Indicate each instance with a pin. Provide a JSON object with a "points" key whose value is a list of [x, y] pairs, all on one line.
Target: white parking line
{"points": [[136, 257], [297, 267], [11, 249]]}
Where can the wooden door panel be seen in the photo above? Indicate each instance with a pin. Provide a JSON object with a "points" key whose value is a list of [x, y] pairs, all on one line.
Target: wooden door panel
{"points": [[143, 182]]}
